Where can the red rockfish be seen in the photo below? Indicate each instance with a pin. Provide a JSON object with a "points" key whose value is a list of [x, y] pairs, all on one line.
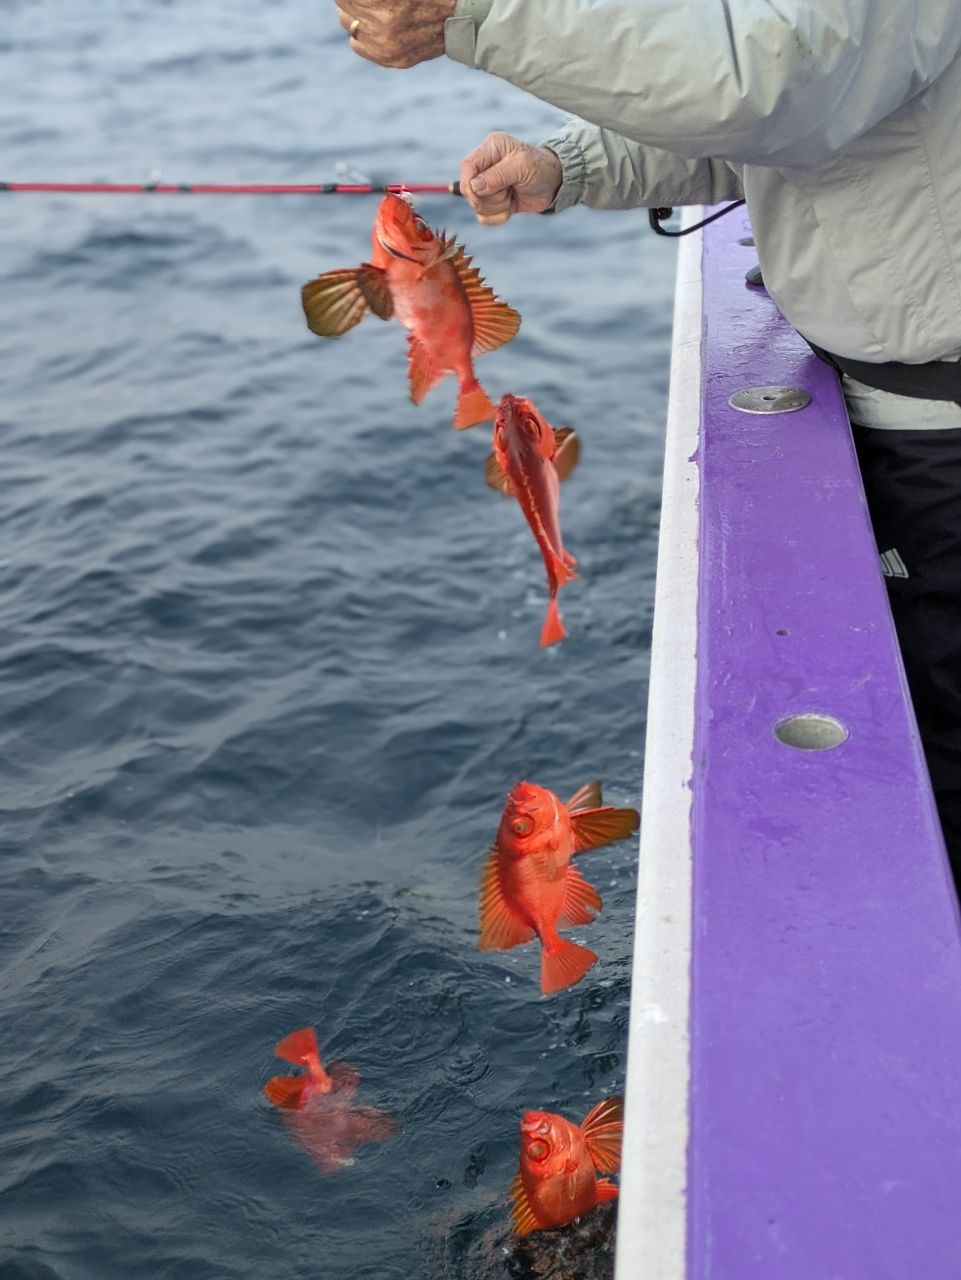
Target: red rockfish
{"points": [[529, 460], [427, 281], [557, 1181], [316, 1105], [529, 886]]}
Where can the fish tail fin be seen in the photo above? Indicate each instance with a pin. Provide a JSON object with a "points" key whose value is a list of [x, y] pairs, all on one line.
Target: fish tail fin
{"points": [[605, 1190], [299, 1046], [473, 405], [286, 1092], [564, 965], [553, 628]]}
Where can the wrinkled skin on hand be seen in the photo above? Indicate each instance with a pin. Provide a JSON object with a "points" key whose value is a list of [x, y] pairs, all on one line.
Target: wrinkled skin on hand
{"points": [[396, 33], [505, 176]]}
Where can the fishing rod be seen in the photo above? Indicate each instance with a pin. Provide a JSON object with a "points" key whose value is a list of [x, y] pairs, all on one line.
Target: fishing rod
{"points": [[235, 188]]}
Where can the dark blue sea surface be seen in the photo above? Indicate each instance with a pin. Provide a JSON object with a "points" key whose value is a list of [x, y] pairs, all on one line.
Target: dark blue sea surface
{"points": [[269, 657]]}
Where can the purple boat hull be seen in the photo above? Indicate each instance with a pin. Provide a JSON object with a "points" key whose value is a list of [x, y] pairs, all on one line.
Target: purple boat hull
{"points": [[823, 1102]]}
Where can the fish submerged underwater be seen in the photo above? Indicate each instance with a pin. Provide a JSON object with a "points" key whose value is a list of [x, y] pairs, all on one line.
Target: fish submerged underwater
{"points": [[316, 1105], [559, 1163], [529, 887], [528, 461], [427, 281]]}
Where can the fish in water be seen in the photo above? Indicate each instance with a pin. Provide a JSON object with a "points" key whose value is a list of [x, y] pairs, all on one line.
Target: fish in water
{"points": [[316, 1105], [529, 460], [529, 887], [427, 281], [557, 1180]]}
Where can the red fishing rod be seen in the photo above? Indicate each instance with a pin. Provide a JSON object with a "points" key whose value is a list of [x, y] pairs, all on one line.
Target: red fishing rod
{"points": [[235, 188]]}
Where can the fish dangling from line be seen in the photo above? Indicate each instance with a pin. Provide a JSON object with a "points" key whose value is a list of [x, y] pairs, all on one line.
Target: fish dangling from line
{"points": [[316, 1106], [427, 281], [559, 1162], [529, 888], [528, 461]]}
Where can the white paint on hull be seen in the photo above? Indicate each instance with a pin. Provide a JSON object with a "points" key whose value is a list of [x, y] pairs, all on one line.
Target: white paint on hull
{"points": [[652, 1218]]}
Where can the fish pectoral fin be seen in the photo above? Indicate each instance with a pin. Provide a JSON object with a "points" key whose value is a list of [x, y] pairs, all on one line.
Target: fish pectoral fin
{"points": [[374, 286], [522, 1211], [588, 796], [581, 901], [605, 1190], [603, 1129], [422, 371], [570, 1182], [500, 928], [334, 302], [496, 477], [494, 321], [567, 451], [370, 1124], [286, 1092], [594, 828], [344, 1078]]}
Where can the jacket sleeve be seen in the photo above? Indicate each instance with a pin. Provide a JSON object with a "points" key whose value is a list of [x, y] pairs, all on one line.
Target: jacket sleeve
{"points": [[769, 82], [607, 171]]}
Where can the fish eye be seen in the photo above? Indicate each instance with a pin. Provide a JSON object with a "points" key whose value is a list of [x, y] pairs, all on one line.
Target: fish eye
{"points": [[522, 826], [537, 1149]]}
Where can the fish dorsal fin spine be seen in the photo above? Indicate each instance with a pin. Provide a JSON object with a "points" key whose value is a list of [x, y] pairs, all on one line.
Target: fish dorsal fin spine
{"points": [[567, 451], [581, 901], [496, 477], [494, 321], [522, 1211], [500, 929], [334, 302], [603, 1128], [594, 828], [586, 797]]}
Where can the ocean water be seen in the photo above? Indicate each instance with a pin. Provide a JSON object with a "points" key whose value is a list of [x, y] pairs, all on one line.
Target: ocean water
{"points": [[269, 660]]}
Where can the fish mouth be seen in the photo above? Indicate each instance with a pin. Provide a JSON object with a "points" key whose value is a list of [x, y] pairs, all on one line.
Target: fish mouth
{"points": [[511, 407], [535, 1123]]}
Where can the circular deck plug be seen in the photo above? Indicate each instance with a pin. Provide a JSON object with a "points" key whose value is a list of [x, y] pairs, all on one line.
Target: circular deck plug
{"points": [[769, 399], [810, 731]]}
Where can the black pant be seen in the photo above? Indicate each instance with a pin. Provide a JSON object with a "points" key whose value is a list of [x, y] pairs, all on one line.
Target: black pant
{"points": [[913, 485]]}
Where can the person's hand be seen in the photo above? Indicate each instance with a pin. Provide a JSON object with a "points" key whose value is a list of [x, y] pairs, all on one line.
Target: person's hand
{"points": [[396, 33], [505, 176]]}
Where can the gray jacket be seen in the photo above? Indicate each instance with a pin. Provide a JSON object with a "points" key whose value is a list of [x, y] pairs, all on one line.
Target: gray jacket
{"points": [[838, 120]]}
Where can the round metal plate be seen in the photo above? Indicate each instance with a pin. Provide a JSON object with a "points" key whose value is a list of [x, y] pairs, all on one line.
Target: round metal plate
{"points": [[770, 399], [811, 731]]}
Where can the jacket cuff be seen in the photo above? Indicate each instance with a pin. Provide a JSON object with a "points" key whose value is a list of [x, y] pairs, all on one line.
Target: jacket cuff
{"points": [[574, 171], [460, 31]]}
